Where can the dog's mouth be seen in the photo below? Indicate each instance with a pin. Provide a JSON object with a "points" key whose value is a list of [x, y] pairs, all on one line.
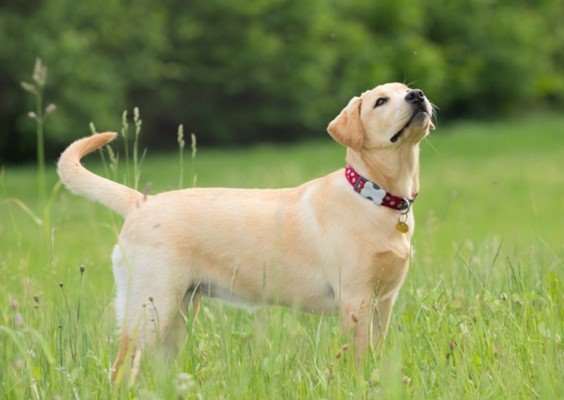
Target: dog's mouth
{"points": [[418, 112]]}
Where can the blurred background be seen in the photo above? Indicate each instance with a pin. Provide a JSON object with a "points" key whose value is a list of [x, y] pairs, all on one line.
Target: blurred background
{"points": [[238, 72]]}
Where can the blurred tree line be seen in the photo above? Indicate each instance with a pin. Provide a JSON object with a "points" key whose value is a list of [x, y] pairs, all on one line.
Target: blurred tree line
{"points": [[237, 71]]}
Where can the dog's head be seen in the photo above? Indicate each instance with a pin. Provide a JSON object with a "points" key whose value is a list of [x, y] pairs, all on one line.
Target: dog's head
{"points": [[388, 115]]}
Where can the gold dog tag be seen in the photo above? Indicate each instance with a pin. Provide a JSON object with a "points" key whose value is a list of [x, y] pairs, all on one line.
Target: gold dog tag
{"points": [[402, 227]]}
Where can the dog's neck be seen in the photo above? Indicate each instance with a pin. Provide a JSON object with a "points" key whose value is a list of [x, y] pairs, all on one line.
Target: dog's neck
{"points": [[396, 170]]}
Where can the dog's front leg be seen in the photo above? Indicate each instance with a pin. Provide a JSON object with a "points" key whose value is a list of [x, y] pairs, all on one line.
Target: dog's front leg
{"points": [[381, 321], [356, 319], [392, 271], [368, 319]]}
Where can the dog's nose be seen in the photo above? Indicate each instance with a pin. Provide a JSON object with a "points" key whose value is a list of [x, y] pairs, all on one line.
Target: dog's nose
{"points": [[415, 96]]}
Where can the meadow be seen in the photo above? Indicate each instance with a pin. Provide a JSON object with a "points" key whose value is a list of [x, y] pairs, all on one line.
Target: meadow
{"points": [[481, 315]]}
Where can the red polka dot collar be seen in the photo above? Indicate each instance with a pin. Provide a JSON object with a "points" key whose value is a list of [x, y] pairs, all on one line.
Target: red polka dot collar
{"points": [[371, 191]]}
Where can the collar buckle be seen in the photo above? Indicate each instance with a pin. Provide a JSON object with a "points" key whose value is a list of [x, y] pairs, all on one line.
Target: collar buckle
{"points": [[408, 203]]}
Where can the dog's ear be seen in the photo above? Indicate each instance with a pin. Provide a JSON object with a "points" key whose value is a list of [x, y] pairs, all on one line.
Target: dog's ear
{"points": [[347, 127]]}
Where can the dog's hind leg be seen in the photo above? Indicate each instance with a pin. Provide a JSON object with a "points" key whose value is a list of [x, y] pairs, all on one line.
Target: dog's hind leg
{"points": [[188, 310], [149, 306]]}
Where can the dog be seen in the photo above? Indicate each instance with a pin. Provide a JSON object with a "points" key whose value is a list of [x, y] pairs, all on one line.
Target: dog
{"points": [[336, 244]]}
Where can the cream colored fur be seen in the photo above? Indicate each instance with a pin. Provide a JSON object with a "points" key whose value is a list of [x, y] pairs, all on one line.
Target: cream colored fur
{"points": [[319, 246]]}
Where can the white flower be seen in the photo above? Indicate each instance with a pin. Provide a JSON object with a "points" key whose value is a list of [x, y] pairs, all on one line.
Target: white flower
{"points": [[371, 192], [185, 383]]}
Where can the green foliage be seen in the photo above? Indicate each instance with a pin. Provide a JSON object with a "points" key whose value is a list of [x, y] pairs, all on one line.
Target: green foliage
{"points": [[236, 71]]}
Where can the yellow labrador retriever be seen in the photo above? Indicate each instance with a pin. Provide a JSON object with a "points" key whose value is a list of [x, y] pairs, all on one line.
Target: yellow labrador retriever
{"points": [[339, 243]]}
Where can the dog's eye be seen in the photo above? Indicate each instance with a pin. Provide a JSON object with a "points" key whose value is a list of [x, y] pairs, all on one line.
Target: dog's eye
{"points": [[380, 101]]}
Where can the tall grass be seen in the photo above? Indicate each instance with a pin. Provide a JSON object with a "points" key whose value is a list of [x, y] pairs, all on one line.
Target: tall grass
{"points": [[137, 161], [132, 168], [36, 88], [181, 144], [194, 148]]}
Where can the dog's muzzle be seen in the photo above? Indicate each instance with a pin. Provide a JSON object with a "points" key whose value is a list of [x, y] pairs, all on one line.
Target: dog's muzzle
{"points": [[416, 98]]}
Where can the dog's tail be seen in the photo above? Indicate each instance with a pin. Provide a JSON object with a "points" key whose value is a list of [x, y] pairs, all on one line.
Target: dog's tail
{"points": [[79, 180]]}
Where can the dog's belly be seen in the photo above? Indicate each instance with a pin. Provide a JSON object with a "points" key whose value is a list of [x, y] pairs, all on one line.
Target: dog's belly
{"points": [[320, 300]]}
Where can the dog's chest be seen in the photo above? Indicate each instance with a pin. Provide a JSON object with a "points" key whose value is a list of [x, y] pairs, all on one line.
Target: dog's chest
{"points": [[387, 270]]}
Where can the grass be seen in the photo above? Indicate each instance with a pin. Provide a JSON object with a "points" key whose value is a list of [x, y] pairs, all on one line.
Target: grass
{"points": [[481, 314]]}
